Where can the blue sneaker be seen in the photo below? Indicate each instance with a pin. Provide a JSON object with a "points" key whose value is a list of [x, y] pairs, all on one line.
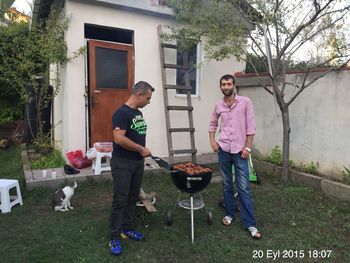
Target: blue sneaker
{"points": [[132, 234], [115, 247]]}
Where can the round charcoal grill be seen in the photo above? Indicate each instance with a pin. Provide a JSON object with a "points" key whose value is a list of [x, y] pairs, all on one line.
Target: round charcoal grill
{"points": [[190, 183], [190, 178]]}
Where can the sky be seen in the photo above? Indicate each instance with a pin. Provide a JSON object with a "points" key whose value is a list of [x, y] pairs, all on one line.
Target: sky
{"points": [[23, 6]]}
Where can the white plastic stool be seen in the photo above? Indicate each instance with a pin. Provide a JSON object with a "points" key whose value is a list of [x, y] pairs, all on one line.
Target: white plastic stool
{"points": [[6, 203], [97, 164]]}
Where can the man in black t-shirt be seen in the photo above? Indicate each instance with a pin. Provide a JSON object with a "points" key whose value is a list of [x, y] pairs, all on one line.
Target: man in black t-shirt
{"points": [[127, 165]]}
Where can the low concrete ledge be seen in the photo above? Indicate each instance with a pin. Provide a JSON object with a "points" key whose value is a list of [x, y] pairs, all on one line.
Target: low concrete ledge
{"points": [[278, 171], [263, 167], [329, 187], [36, 178], [63, 179], [335, 189], [28, 175], [46, 182], [311, 180]]}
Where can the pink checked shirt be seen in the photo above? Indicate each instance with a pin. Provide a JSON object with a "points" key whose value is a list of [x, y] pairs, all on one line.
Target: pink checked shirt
{"points": [[237, 122]]}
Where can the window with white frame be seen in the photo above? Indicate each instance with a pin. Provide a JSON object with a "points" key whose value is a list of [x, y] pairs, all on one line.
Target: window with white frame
{"points": [[194, 59]]}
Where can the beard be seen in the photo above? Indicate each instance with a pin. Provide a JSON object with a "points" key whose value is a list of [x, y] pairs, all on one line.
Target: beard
{"points": [[227, 93]]}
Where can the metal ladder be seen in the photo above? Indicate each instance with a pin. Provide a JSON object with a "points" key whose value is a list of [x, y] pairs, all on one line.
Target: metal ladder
{"points": [[189, 108]]}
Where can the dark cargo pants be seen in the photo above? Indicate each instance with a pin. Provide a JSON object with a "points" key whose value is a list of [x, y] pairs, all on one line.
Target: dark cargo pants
{"points": [[127, 179]]}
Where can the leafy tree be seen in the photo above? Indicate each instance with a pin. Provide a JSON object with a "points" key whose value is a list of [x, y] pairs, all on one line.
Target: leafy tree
{"points": [[259, 66], [12, 40], [26, 54], [4, 5], [277, 32]]}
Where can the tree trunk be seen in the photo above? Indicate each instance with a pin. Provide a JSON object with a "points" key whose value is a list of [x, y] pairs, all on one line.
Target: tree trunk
{"points": [[286, 137]]}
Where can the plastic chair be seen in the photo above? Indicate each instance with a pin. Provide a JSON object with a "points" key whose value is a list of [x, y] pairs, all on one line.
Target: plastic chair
{"points": [[7, 201], [97, 164]]}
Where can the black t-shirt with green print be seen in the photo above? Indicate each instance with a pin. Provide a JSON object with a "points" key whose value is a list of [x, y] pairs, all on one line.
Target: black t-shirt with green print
{"points": [[130, 120]]}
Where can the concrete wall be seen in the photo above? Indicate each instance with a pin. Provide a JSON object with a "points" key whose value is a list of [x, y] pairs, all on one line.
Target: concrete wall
{"points": [[70, 111], [319, 120]]}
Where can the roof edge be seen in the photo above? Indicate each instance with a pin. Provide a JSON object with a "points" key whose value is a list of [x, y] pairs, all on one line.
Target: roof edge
{"points": [[289, 72], [42, 8]]}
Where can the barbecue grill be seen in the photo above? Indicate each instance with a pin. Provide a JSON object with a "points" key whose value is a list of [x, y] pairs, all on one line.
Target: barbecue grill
{"points": [[191, 183], [190, 178]]}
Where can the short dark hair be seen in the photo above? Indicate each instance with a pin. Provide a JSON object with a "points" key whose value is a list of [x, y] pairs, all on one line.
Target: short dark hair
{"points": [[227, 77], [142, 86]]}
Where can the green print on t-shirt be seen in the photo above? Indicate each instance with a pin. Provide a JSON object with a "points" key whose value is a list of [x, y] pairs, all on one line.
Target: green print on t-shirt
{"points": [[139, 125]]}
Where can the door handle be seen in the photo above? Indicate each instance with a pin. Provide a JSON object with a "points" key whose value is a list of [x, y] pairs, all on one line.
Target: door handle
{"points": [[97, 91]]}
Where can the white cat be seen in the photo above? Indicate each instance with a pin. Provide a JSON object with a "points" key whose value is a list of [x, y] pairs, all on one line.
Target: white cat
{"points": [[61, 198]]}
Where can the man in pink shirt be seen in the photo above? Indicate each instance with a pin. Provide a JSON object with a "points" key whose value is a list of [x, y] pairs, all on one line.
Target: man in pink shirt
{"points": [[237, 131]]}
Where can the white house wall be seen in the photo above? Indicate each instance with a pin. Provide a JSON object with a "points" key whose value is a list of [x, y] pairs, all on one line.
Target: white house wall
{"points": [[147, 67], [319, 120]]}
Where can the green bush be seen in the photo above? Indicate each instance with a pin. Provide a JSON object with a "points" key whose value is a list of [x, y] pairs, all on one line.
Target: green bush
{"points": [[10, 113], [346, 175], [260, 64], [42, 144], [13, 71], [53, 160], [310, 168], [276, 158]]}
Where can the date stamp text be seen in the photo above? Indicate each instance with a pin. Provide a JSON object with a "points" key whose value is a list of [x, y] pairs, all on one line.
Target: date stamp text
{"points": [[291, 254]]}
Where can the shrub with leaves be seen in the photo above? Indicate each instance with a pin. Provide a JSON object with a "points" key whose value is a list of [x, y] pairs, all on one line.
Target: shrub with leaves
{"points": [[310, 168], [52, 160], [42, 144], [346, 175], [13, 42], [25, 57], [276, 158]]}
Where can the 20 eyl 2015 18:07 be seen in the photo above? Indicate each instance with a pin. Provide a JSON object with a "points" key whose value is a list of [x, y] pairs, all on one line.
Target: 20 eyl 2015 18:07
{"points": [[290, 254]]}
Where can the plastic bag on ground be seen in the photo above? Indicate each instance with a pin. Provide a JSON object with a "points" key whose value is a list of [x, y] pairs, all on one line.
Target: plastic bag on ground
{"points": [[103, 147], [91, 153], [77, 160]]}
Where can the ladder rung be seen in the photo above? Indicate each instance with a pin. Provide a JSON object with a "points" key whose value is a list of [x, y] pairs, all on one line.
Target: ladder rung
{"points": [[175, 66], [178, 87], [184, 151], [167, 45], [180, 108], [181, 129]]}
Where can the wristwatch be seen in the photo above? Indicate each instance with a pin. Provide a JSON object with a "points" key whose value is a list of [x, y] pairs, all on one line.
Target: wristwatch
{"points": [[248, 149]]}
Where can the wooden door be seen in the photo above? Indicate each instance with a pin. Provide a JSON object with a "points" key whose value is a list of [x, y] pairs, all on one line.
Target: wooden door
{"points": [[111, 76]]}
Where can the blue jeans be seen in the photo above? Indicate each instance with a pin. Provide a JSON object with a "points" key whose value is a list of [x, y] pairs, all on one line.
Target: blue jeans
{"points": [[226, 160]]}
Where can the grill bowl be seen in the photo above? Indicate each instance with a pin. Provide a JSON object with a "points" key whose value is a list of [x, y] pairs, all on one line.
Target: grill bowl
{"points": [[190, 183]]}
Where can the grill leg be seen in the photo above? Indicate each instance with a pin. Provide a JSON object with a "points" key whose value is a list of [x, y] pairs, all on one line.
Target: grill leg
{"points": [[192, 220], [201, 199], [177, 202]]}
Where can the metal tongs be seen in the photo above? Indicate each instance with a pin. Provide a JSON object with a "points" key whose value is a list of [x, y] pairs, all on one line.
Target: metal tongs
{"points": [[162, 163]]}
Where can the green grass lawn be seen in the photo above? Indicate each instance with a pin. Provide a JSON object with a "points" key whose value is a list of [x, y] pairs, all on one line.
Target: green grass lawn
{"points": [[292, 218]]}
